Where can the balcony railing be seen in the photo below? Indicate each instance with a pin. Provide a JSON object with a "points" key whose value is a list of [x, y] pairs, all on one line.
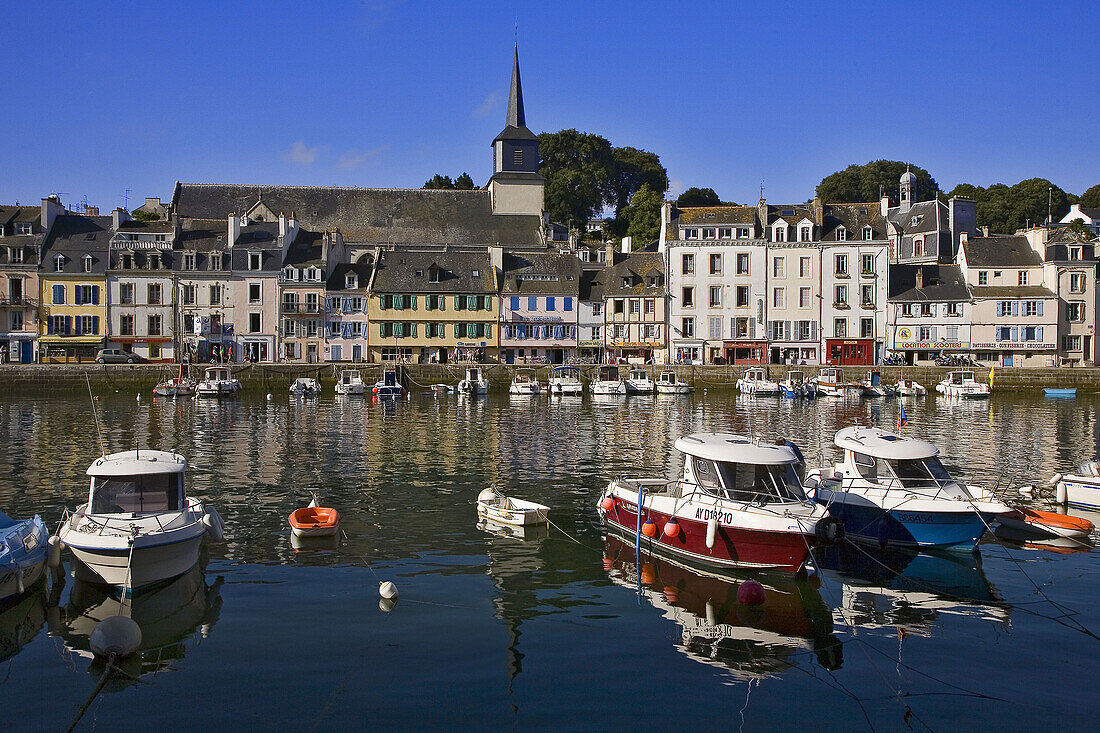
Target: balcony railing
{"points": [[20, 302], [290, 307]]}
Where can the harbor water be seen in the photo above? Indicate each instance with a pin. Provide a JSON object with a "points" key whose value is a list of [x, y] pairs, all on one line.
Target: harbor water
{"points": [[559, 628]]}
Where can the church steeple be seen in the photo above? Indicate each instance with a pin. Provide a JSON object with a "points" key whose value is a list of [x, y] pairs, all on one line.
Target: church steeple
{"points": [[515, 96], [516, 186]]}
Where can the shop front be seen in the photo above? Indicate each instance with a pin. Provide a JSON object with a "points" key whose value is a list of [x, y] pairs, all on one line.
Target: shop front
{"points": [[913, 349], [635, 352], [590, 350], [746, 352], [17, 348], [65, 349], [151, 348], [849, 352], [793, 352], [252, 348], [688, 352]]}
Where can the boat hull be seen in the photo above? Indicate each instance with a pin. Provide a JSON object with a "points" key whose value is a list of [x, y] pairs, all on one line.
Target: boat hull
{"points": [[673, 388], [959, 529], [513, 517], [1081, 492], [16, 581], [734, 547], [150, 564], [608, 388], [567, 389]]}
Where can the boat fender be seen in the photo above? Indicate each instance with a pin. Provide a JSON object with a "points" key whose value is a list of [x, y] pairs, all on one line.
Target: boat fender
{"points": [[1060, 492], [1055, 479], [712, 532], [115, 636], [751, 593], [387, 590], [672, 529], [829, 531], [712, 614], [53, 554], [649, 528], [1027, 490], [607, 504], [214, 525]]}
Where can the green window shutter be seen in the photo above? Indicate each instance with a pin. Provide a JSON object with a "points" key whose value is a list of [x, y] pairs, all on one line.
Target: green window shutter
{"points": [[382, 330], [456, 330], [458, 302], [382, 302], [429, 302], [412, 329], [471, 302], [488, 330], [441, 302], [488, 302], [414, 302], [440, 331]]}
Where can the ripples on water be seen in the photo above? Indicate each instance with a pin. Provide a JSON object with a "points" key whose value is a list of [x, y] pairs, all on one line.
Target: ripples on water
{"points": [[493, 631]]}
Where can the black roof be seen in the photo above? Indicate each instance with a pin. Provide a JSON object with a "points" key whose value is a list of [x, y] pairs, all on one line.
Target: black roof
{"points": [[410, 272], [636, 269], [939, 284], [1000, 251], [338, 279], [202, 235], [853, 217], [75, 236], [545, 273]]}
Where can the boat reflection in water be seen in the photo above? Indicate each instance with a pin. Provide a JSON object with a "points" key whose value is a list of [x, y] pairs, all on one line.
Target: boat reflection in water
{"points": [[21, 617], [906, 590], [169, 613], [752, 642]]}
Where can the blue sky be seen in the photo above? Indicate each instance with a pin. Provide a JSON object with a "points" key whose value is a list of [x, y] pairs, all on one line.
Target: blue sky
{"points": [[731, 95]]}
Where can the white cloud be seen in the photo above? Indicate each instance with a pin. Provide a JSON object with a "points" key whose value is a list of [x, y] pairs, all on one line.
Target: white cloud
{"points": [[301, 154], [675, 188], [352, 159], [487, 106]]}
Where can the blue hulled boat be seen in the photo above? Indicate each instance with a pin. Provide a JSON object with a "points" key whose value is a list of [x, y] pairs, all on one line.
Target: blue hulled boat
{"points": [[893, 490], [23, 550]]}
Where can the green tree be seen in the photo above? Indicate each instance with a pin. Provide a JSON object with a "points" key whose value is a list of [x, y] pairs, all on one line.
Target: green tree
{"points": [[1090, 199], [145, 216], [698, 197], [643, 215], [438, 181], [632, 169], [1004, 209], [858, 183], [1078, 227], [464, 182], [576, 166]]}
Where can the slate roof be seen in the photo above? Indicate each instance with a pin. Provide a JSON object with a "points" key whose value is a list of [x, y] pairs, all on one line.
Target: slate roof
{"points": [[74, 236], [717, 215], [799, 213], [636, 267], [10, 214], [264, 238], [921, 218], [29, 243], [147, 227], [853, 217], [338, 280], [1011, 291], [305, 250], [940, 284], [1091, 213], [1061, 239], [408, 272], [565, 268], [202, 235], [408, 217], [1000, 251], [591, 285]]}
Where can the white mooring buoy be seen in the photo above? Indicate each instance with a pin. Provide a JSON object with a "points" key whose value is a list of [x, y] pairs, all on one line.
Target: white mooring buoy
{"points": [[117, 636], [386, 589], [269, 398], [387, 604]]}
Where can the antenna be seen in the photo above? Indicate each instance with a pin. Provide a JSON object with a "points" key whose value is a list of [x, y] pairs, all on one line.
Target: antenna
{"points": [[1050, 195], [761, 188], [95, 414], [126, 199], [84, 203]]}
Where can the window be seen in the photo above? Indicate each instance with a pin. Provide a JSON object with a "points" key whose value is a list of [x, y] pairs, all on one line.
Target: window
{"points": [[87, 324], [189, 261], [741, 328], [216, 261], [56, 324], [741, 294], [714, 327], [87, 263], [742, 232], [517, 156], [840, 264], [928, 310], [779, 297], [907, 310], [777, 331], [618, 332], [805, 269], [1071, 343], [22, 227], [154, 325], [1022, 276], [1075, 253], [597, 332], [254, 293], [59, 263], [597, 309], [840, 328], [953, 333], [126, 325], [725, 232], [691, 234], [687, 264], [290, 302], [742, 263], [868, 234], [687, 297], [15, 255], [619, 305], [188, 294], [954, 309], [532, 303], [805, 234], [1077, 282], [650, 306], [716, 264], [1075, 311], [983, 277], [840, 295], [215, 295], [153, 292], [1006, 308], [804, 330], [126, 293], [918, 247], [709, 233], [1031, 308], [313, 303], [867, 264], [254, 322], [254, 260], [633, 307], [841, 234], [475, 273], [867, 295], [924, 333], [687, 329], [867, 328], [126, 261], [154, 262], [779, 267], [653, 281], [651, 332], [779, 234], [715, 298], [16, 321]]}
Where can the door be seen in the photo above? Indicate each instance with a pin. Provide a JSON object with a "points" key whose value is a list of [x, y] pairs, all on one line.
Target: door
{"points": [[311, 353], [357, 352], [337, 352], [25, 353]]}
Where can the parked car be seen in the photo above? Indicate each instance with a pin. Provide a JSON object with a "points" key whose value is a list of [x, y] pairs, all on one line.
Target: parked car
{"points": [[117, 356]]}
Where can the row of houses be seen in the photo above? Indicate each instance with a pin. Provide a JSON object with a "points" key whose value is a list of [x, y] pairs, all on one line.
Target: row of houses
{"points": [[234, 272]]}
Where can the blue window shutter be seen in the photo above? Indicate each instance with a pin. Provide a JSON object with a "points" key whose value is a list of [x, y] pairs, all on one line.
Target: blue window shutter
{"points": [[76, 294], [58, 294], [515, 302], [95, 324], [1015, 307], [568, 304], [49, 325], [532, 303], [1039, 330], [1040, 313], [551, 303], [572, 332], [1015, 333], [95, 296], [559, 332], [68, 325]]}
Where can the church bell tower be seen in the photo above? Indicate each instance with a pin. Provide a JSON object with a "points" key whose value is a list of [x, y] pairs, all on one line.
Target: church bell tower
{"points": [[516, 186]]}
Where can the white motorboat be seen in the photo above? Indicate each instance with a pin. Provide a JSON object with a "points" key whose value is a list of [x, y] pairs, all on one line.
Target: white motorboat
{"points": [[524, 383], [389, 385], [669, 383], [795, 385], [566, 381], [831, 383], [178, 386], [892, 490], [755, 381], [350, 382], [139, 526], [475, 382], [1080, 488], [305, 387], [961, 383], [873, 386], [736, 504], [639, 382], [23, 554], [909, 388], [607, 381], [492, 506], [218, 381]]}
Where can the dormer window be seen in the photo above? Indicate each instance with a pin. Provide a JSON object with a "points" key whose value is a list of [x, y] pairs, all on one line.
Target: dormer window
{"points": [[841, 234], [868, 233], [742, 232], [725, 232], [87, 263], [351, 282], [15, 255], [22, 227], [313, 274], [708, 233], [290, 273], [627, 282], [691, 234], [154, 262], [216, 261], [59, 263], [918, 247], [779, 232], [433, 275], [126, 261], [805, 234], [253, 260], [189, 261], [475, 273]]}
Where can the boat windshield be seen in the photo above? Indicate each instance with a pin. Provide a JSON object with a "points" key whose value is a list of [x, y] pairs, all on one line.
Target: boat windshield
{"points": [[920, 473], [156, 492], [752, 482]]}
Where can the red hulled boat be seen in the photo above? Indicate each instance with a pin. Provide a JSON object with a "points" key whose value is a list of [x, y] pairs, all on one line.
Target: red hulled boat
{"points": [[737, 504]]}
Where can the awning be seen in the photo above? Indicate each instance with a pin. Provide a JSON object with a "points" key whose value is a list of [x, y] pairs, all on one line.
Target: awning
{"points": [[75, 340]]}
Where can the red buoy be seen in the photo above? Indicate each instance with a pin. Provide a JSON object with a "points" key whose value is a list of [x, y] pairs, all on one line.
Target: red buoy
{"points": [[649, 529], [672, 529], [608, 503], [750, 593], [649, 573]]}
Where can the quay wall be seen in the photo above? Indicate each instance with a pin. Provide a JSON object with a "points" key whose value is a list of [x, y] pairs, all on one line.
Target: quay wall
{"points": [[41, 379]]}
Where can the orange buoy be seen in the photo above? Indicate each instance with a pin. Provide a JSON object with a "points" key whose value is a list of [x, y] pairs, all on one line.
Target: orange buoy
{"points": [[672, 529], [649, 529], [608, 503], [672, 593], [649, 573]]}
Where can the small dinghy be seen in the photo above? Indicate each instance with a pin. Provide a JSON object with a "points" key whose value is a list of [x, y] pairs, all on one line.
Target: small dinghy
{"points": [[23, 554], [1038, 524], [314, 520], [493, 506]]}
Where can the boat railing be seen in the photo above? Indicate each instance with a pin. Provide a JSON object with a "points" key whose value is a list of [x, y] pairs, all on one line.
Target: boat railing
{"points": [[120, 526], [928, 489]]}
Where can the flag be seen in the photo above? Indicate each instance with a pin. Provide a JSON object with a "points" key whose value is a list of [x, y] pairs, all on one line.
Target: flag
{"points": [[902, 421]]}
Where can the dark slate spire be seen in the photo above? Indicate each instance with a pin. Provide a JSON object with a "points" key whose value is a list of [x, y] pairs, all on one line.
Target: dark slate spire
{"points": [[515, 96]]}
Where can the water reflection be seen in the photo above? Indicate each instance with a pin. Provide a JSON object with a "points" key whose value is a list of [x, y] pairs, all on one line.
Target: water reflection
{"points": [[751, 642], [21, 617]]}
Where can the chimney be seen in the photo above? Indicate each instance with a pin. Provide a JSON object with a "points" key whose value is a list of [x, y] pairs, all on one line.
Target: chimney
{"points": [[118, 217], [626, 244], [234, 229], [985, 231], [91, 211], [609, 252], [51, 207], [152, 203], [920, 277], [964, 237]]}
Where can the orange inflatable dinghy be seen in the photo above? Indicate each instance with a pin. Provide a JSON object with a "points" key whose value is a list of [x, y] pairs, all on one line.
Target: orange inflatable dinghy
{"points": [[314, 521], [1051, 524]]}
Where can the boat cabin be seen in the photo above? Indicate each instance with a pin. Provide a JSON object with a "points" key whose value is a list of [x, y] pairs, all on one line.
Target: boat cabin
{"points": [[607, 373], [874, 378], [755, 374], [830, 375], [525, 376], [473, 374], [137, 482], [796, 377], [734, 468], [218, 374], [566, 372], [389, 378], [960, 378], [640, 375], [667, 378], [890, 461], [350, 376]]}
